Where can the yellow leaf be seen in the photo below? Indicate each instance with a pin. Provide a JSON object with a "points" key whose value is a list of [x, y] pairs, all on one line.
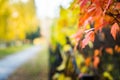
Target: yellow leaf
{"points": [[109, 50], [107, 75]]}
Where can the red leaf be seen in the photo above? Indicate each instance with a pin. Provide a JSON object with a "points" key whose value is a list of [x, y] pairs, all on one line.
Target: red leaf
{"points": [[114, 30], [89, 37], [85, 42], [83, 3], [78, 35], [117, 5]]}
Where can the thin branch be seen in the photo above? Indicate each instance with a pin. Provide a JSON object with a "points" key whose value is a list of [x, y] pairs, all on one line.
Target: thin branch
{"points": [[114, 16]]}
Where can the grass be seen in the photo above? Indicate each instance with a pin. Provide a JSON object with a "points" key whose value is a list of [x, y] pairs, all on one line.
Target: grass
{"points": [[35, 69], [10, 50]]}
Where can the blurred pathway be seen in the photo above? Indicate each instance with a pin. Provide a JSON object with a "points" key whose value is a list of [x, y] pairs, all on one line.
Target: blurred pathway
{"points": [[9, 64]]}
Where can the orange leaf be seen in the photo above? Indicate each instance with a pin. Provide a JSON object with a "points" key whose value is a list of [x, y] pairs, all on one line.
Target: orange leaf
{"points": [[117, 48], [109, 50], [82, 19], [92, 36], [96, 62], [96, 52], [87, 61], [114, 30], [108, 19], [99, 22]]}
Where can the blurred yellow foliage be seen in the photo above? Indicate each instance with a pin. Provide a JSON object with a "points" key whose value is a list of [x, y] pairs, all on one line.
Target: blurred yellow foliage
{"points": [[17, 19], [107, 75]]}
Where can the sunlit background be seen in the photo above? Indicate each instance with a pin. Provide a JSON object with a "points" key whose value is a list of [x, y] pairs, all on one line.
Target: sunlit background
{"points": [[26, 24], [47, 10], [59, 39], [50, 9]]}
